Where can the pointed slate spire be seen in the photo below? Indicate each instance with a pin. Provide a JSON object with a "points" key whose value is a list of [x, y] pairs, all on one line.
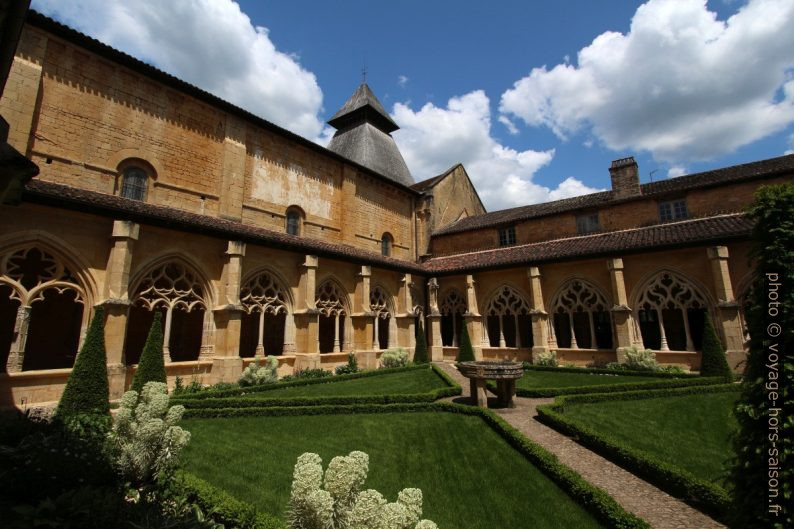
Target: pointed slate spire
{"points": [[363, 135]]}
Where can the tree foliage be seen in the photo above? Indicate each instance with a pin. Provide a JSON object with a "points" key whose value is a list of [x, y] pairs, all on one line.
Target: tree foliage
{"points": [[420, 353], [768, 357], [151, 367], [713, 361], [465, 350], [87, 389]]}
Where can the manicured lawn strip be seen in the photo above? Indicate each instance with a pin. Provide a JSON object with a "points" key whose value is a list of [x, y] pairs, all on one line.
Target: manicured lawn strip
{"points": [[415, 385], [461, 447], [537, 383], [234, 392], [605, 371], [699, 492]]}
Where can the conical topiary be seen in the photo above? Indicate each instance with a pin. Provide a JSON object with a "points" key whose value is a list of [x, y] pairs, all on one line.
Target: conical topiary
{"points": [[713, 362], [465, 351], [151, 367], [420, 353], [87, 389]]}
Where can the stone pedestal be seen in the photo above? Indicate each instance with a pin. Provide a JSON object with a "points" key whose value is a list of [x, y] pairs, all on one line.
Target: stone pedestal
{"points": [[479, 395]]}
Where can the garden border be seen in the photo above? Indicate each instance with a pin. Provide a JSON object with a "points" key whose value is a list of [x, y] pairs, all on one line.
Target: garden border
{"points": [[233, 392], [607, 371], [697, 492], [673, 381], [594, 500]]}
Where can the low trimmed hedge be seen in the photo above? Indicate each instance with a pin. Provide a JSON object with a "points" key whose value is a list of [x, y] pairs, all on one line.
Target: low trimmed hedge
{"points": [[223, 507], [606, 371], [672, 381], [211, 393], [591, 498], [697, 492]]}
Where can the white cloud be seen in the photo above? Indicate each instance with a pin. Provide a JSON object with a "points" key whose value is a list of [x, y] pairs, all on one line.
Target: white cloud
{"points": [[680, 84], [511, 127], [676, 170], [790, 144], [432, 139], [402, 80], [209, 43]]}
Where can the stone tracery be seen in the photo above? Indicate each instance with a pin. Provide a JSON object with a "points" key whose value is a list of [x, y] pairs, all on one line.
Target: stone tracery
{"points": [[507, 308], [581, 317]]}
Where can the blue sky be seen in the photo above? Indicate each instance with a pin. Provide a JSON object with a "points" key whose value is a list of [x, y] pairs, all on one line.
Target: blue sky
{"points": [[535, 98]]}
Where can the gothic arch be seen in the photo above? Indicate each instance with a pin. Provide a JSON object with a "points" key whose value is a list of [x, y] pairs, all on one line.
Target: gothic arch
{"points": [[176, 287], [267, 326], [43, 300], [381, 303], [580, 316], [507, 318], [669, 309], [334, 327], [452, 305]]}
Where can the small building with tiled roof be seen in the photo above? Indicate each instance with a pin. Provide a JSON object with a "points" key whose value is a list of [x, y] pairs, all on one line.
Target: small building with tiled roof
{"points": [[156, 196]]}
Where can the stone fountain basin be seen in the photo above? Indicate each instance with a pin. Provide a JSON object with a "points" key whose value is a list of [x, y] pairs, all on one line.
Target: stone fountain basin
{"points": [[491, 370]]}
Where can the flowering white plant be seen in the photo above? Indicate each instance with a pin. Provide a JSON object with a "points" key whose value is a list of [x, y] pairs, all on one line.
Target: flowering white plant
{"points": [[255, 374], [335, 500], [145, 436]]}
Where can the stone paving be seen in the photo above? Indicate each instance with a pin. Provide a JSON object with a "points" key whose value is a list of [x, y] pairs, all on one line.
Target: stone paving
{"points": [[655, 506]]}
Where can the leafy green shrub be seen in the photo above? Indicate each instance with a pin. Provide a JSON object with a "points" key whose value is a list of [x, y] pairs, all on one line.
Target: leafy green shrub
{"points": [[145, 438], [151, 367], [336, 501], [641, 360], [548, 358], [397, 357], [87, 388], [713, 361], [465, 350], [420, 353], [773, 256], [303, 374], [350, 367], [254, 374]]}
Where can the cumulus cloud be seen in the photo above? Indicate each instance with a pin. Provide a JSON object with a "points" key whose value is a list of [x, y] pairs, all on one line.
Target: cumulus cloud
{"points": [[433, 138], [402, 80], [681, 84], [511, 127], [676, 170], [209, 43]]}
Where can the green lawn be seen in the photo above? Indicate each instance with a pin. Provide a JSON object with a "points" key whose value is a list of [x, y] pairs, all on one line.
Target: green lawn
{"points": [[691, 432], [549, 379], [471, 478], [406, 382]]}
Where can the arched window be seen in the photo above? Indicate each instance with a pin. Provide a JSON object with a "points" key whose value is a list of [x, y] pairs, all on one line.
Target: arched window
{"points": [[178, 294], [134, 183], [671, 312], [381, 306], [581, 317], [264, 322], [41, 311], [386, 242], [331, 302], [508, 319], [294, 220], [452, 308]]}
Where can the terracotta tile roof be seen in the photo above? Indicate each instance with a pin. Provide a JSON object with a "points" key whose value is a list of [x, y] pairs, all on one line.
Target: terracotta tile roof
{"points": [[748, 171], [58, 195], [717, 229]]}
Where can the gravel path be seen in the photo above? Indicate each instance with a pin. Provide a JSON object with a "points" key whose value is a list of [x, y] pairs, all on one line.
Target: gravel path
{"points": [[655, 506]]}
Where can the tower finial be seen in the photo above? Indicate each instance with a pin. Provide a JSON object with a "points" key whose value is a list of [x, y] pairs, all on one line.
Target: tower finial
{"points": [[364, 74]]}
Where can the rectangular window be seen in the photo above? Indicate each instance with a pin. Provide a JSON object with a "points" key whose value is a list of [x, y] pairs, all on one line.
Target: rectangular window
{"points": [[673, 210], [587, 223], [507, 236]]}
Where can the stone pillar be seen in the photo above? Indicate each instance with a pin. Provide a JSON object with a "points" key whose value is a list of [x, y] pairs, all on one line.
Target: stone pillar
{"points": [[16, 355], [434, 322], [622, 320], [116, 301], [727, 321], [306, 317], [363, 319], [226, 362], [472, 318], [403, 324], [232, 178], [541, 337]]}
